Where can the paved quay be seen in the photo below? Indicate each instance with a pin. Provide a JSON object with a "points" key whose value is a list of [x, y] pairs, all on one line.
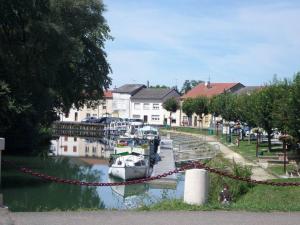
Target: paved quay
{"points": [[155, 218], [258, 173]]}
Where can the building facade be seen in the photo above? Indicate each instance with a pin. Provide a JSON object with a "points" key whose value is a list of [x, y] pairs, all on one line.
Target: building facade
{"points": [[121, 106], [104, 108], [147, 104]]}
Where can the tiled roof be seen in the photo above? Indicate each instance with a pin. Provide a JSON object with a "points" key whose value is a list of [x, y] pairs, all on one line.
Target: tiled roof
{"points": [[129, 88], [209, 90], [108, 94], [248, 89], [154, 93]]}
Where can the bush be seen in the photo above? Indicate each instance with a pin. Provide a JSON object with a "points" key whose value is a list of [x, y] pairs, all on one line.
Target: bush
{"points": [[236, 188]]}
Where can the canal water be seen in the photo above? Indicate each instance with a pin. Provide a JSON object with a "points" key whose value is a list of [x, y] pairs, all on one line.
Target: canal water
{"points": [[79, 159]]}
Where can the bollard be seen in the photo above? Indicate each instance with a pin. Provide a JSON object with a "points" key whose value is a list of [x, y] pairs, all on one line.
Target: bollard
{"points": [[196, 186]]}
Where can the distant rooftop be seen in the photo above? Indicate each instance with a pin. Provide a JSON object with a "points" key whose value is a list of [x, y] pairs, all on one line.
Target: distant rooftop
{"points": [[211, 89], [129, 88], [248, 89], [155, 93], [108, 94]]}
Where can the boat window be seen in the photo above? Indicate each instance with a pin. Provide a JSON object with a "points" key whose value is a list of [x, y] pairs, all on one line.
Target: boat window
{"points": [[119, 163], [138, 163]]}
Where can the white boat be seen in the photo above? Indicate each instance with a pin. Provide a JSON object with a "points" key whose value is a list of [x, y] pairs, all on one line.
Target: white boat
{"points": [[131, 145], [129, 167], [147, 132]]}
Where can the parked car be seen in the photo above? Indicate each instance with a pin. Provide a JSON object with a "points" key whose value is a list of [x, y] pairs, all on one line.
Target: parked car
{"points": [[90, 119]]}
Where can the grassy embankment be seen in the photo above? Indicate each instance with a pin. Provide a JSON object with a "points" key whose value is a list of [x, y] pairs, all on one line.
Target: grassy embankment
{"points": [[246, 149], [254, 198], [245, 196]]}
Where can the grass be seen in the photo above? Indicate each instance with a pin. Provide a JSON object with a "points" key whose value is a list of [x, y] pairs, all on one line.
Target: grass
{"points": [[270, 198], [260, 198], [278, 169]]}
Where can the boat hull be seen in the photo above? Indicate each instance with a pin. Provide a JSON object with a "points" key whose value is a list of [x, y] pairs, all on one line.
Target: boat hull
{"points": [[128, 173]]}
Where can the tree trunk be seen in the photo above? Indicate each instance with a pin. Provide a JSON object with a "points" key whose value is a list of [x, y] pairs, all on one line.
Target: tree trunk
{"points": [[257, 137], [284, 156], [269, 142]]}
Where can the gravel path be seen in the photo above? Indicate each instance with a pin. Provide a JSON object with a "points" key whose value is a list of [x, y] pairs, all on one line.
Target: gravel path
{"points": [[155, 218]]}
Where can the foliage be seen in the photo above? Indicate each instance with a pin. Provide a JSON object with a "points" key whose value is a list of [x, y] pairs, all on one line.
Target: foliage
{"points": [[188, 107], [200, 105], [293, 123], [171, 105], [237, 188], [159, 86], [51, 57]]}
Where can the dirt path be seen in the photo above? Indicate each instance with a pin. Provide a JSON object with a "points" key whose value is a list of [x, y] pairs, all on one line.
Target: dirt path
{"points": [[258, 173]]}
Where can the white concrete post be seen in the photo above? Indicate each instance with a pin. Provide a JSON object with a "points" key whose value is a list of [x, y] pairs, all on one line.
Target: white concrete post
{"points": [[196, 186], [2, 145]]}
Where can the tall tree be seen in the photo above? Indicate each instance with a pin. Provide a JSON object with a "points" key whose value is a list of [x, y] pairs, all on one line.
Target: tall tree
{"points": [[188, 85], [188, 108], [294, 109], [51, 58], [171, 105], [200, 106]]}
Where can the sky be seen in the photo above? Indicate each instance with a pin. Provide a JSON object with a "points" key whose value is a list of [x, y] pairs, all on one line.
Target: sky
{"points": [[169, 41]]}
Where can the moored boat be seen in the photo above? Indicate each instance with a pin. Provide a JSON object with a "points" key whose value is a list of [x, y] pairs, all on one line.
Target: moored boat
{"points": [[129, 167]]}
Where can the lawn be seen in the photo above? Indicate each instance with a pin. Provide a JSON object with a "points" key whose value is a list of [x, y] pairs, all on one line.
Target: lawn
{"points": [[260, 198]]}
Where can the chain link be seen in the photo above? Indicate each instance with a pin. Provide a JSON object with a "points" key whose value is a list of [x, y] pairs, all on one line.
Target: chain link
{"points": [[147, 179]]}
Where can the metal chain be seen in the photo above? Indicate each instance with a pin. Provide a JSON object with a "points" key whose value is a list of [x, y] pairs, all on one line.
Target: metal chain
{"points": [[143, 180]]}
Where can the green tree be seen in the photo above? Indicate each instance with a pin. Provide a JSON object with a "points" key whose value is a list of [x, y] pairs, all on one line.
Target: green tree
{"points": [[51, 58], [294, 109], [200, 106], [188, 108], [171, 105]]}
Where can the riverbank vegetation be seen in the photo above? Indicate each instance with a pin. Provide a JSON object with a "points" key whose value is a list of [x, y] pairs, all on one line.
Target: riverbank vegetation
{"points": [[52, 58], [262, 198]]}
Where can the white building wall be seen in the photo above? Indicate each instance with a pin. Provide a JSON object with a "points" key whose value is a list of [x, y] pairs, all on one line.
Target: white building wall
{"points": [[101, 110], [121, 105], [154, 111]]}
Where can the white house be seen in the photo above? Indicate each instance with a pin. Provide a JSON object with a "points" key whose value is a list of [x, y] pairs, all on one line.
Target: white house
{"points": [[121, 106], [147, 104], [104, 108]]}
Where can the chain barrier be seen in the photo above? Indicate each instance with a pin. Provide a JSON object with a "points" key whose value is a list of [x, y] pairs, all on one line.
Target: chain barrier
{"points": [[143, 180]]}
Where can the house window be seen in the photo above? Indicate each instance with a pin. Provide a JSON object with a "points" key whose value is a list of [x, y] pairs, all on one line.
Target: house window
{"points": [[156, 106], [173, 120], [94, 115], [65, 148], [87, 149], [67, 115], [75, 139], [66, 138], [88, 115], [94, 149], [76, 116], [146, 106], [103, 106], [136, 116], [155, 117], [74, 148], [137, 106]]}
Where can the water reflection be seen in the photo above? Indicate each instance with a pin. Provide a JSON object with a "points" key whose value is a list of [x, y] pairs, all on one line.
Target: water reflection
{"points": [[26, 193], [79, 159], [81, 147]]}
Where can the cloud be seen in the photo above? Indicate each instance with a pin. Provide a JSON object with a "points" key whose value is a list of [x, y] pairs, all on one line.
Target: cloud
{"points": [[229, 42]]}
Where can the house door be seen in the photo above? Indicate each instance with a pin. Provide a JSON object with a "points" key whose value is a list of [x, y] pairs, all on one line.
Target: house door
{"points": [[145, 119]]}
